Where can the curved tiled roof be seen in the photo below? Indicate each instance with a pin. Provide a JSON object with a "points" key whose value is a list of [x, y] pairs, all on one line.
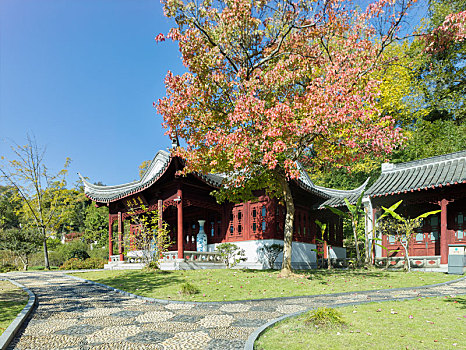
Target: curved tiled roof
{"points": [[106, 194], [444, 170], [337, 198]]}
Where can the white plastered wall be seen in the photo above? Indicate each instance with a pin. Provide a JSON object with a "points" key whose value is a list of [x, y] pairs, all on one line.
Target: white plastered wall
{"points": [[302, 256]]}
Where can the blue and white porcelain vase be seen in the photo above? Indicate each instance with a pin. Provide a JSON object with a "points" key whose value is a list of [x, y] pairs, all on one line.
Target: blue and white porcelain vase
{"points": [[201, 239]]}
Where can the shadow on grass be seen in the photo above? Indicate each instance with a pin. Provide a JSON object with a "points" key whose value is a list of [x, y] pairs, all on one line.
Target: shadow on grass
{"points": [[141, 282], [459, 301], [11, 302]]}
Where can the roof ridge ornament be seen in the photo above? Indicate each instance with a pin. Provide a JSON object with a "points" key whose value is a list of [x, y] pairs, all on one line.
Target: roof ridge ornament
{"points": [[387, 166]]}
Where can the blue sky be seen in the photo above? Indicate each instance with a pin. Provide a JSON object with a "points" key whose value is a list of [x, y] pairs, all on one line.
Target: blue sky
{"points": [[81, 75]]}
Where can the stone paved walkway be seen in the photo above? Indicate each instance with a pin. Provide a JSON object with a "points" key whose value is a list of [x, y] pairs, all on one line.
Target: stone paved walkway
{"points": [[76, 315]]}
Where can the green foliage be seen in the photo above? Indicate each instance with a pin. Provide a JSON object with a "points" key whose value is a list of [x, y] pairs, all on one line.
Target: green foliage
{"points": [[74, 249], [354, 214], [325, 316], [96, 225], [43, 195], [150, 239], [79, 254], [22, 242], [442, 78], [8, 267], [152, 266], [9, 205], [230, 254], [53, 243], [428, 139], [78, 264], [271, 253], [143, 167], [100, 253], [188, 289], [403, 229]]}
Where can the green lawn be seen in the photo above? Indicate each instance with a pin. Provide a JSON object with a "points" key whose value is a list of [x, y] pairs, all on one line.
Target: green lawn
{"points": [[427, 323], [218, 285], [12, 301]]}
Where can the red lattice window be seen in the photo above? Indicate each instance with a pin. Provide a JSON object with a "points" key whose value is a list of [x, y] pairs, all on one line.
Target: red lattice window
{"points": [[258, 215], [236, 224]]}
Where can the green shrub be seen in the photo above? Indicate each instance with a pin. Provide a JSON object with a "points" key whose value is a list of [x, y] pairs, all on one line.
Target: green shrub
{"points": [[94, 263], [101, 253], [231, 254], [77, 264], [53, 243], [56, 258], [153, 265], [70, 250], [188, 289], [9, 267], [324, 316], [80, 254]]}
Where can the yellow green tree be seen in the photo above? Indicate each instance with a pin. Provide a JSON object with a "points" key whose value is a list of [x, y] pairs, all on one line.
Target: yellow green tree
{"points": [[42, 193]]}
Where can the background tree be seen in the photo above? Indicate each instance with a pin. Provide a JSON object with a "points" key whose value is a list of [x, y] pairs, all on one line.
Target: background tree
{"points": [[423, 89], [96, 225], [22, 242], [143, 167], [9, 206], [271, 83], [41, 192]]}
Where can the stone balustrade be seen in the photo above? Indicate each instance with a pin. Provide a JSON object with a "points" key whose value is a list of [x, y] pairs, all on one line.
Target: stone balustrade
{"points": [[211, 257], [194, 256]]}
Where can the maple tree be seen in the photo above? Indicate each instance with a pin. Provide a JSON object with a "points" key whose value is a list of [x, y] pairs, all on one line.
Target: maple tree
{"points": [[274, 83]]}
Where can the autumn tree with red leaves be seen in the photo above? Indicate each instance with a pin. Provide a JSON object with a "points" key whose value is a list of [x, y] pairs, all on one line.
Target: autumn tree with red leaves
{"points": [[274, 83]]}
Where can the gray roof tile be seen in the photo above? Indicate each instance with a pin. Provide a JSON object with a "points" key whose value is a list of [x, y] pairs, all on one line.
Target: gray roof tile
{"points": [[420, 174]]}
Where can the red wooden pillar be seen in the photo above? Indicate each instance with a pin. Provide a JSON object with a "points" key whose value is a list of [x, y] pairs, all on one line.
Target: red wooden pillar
{"points": [[443, 232], [180, 225], [160, 210], [120, 236], [160, 224], [110, 237]]}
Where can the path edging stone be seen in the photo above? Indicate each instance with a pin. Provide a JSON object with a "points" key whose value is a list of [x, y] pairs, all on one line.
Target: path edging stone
{"points": [[8, 335]]}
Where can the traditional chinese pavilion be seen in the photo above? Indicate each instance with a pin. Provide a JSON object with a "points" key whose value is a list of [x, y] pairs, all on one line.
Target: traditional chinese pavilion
{"points": [[424, 185], [186, 201]]}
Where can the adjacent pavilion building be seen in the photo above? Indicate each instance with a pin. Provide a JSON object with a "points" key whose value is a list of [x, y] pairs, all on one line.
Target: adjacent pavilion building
{"points": [[423, 185]]}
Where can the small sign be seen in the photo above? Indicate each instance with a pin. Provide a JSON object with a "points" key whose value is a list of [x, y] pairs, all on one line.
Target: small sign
{"points": [[456, 251]]}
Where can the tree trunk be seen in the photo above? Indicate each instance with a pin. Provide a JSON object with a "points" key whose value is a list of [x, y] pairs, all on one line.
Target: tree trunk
{"points": [[407, 266], [368, 250], [288, 230], [356, 243], [46, 253]]}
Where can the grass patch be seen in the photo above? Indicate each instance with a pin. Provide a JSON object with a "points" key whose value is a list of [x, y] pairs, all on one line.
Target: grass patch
{"points": [[219, 285], [12, 301], [427, 323]]}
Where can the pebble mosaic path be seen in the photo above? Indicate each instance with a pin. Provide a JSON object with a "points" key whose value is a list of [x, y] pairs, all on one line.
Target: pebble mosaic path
{"points": [[75, 315]]}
